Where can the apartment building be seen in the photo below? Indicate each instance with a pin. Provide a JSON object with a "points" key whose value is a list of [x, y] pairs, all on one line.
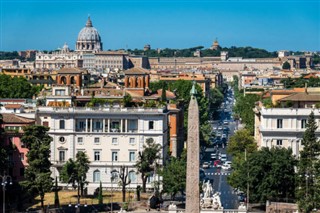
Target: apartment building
{"points": [[284, 126], [110, 136]]}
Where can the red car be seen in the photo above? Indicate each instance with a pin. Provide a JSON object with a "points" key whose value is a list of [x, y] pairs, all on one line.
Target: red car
{"points": [[217, 163]]}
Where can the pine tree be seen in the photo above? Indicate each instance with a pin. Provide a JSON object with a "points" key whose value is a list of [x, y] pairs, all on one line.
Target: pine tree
{"points": [[308, 192], [37, 175]]}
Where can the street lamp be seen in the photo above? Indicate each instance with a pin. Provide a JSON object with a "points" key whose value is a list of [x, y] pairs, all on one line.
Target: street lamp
{"points": [[5, 179]]}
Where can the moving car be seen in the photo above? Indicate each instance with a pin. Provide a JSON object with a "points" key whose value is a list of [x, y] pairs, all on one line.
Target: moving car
{"points": [[205, 165], [225, 122], [213, 156], [223, 157], [226, 165]]}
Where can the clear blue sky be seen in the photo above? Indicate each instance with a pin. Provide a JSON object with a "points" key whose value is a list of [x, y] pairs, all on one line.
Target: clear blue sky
{"points": [[272, 25]]}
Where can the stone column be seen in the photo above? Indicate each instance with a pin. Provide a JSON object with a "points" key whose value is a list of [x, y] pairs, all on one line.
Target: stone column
{"points": [[193, 193]]}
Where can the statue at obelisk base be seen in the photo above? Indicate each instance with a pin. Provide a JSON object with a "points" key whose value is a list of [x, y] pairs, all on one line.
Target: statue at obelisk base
{"points": [[210, 200], [193, 191]]}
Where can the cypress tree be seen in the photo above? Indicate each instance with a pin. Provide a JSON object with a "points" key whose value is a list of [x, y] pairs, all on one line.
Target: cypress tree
{"points": [[56, 195], [100, 197], [308, 191]]}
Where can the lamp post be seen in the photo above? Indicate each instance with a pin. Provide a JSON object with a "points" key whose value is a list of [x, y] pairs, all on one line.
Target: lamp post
{"points": [[4, 181]]}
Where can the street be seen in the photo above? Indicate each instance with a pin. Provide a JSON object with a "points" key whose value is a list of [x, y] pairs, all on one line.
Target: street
{"points": [[223, 129]]}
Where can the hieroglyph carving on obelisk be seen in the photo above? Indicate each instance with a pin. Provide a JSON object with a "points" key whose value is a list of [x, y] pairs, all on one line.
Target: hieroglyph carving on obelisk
{"points": [[193, 191]]}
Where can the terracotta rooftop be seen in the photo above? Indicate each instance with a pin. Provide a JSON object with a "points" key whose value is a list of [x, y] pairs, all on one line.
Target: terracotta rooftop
{"points": [[136, 71], [302, 97], [69, 70], [169, 94], [12, 118], [13, 106]]}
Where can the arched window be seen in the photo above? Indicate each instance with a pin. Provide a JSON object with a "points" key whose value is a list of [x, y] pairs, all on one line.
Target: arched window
{"points": [[132, 176], [96, 176], [114, 176]]}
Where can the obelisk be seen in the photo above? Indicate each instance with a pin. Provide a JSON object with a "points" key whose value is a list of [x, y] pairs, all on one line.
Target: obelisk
{"points": [[193, 193]]}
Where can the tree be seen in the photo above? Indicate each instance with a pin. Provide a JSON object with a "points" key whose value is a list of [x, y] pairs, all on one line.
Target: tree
{"points": [[75, 172], [100, 197], [17, 87], [147, 159], [124, 181], [268, 172], [56, 195], [3, 152], [37, 174], [244, 107], [308, 195], [286, 66], [174, 176], [240, 142], [163, 94]]}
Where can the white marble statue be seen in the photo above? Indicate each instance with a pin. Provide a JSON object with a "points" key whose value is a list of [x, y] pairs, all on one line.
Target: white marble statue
{"points": [[210, 200]]}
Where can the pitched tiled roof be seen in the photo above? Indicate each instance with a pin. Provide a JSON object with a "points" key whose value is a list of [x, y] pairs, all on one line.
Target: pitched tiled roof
{"points": [[12, 118], [302, 97], [169, 94], [12, 106], [136, 71]]}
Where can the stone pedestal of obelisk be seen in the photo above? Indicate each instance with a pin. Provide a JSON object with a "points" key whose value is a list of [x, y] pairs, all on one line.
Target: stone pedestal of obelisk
{"points": [[193, 193]]}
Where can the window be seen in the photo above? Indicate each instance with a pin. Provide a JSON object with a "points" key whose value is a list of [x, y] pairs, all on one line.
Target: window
{"points": [[45, 123], [96, 176], [114, 176], [132, 176], [80, 125], [279, 142], [97, 140], [21, 156], [132, 141], [114, 141], [279, 123], [62, 156], [114, 156], [61, 124], [132, 125], [151, 124], [62, 139], [80, 140], [132, 156], [303, 123], [96, 155]]}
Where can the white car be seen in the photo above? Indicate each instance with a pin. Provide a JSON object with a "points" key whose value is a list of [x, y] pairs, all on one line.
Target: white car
{"points": [[223, 157], [205, 165], [226, 167]]}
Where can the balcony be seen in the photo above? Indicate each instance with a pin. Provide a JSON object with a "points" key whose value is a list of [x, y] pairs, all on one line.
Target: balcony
{"points": [[99, 110]]}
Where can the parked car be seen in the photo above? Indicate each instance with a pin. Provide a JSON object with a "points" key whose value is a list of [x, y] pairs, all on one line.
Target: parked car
{"points": [[225, 122]]}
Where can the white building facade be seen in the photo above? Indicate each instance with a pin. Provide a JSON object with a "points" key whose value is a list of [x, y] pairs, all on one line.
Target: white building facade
{"points": [[111, 137], [283, 127]]}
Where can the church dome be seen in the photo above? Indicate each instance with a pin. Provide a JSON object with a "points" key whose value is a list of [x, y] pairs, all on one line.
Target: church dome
{"points": [[88, 38], [89, 33]]}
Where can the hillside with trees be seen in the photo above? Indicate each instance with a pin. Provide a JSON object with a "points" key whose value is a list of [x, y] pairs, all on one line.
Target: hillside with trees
{"points": [[245, 52]]}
